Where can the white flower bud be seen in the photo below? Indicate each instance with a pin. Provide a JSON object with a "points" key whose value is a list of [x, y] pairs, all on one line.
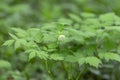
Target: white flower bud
{"points": [[61, 37]]}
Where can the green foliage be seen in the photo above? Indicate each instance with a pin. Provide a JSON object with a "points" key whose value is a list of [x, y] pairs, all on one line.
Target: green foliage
{"points": [[57, 36], [93, 61], [5, 64], [91, 40], [110, 56], [8, 43]]}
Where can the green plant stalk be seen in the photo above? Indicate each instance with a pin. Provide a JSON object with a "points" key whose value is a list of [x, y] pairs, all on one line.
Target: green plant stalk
{"points": [[69, 76], [63, 65], [117, 65], [48, 70], [81, 73]]}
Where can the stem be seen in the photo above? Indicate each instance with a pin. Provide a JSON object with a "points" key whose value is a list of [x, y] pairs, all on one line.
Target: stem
{"points": [[69, 77], [65, 69], [48, 70], [81, 73], [58, 43]]}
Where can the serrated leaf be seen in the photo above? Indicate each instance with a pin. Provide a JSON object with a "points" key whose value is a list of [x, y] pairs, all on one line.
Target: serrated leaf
{"points": [[32, 55], [81, 61], [110, 56], [38, 37], [13, 36], [64, 21], [107, 17], [23, 41], [8, 43], [56, 57], [75, 32], [71, 58], [5, 64], [93, 61], [89, 34], [87, 15], [17, 44], [30, 50], [42, 55], [31, 44], [19, 32], [113, 28], [32, 32], [49, 38], [75, 17]]}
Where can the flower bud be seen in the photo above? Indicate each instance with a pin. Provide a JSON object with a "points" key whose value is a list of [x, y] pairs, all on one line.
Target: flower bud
{"points": [[61, 37]]}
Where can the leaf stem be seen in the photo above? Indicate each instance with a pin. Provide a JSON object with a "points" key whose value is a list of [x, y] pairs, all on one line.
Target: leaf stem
{"points": [[48, 70], [81, 73]]}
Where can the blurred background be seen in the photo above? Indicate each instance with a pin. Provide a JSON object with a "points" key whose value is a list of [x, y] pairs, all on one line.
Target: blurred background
{"points": [[31, 13]]}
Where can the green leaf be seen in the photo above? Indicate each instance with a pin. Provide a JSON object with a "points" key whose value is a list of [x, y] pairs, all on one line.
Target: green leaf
{"points": [[31, 44], [23, 42], [87, 15], [48, 38], [32, 55], [71, 58], [89, 34], [64, 21], [93, 61], [38, 37], [81, 61], [19, 32], [113, 28], [107, 17], [56, 57], [8, 43], [17, 44], [110, 56], [20, 43], [5, 64], [42, 55], [13, 36], [75, 18]]}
